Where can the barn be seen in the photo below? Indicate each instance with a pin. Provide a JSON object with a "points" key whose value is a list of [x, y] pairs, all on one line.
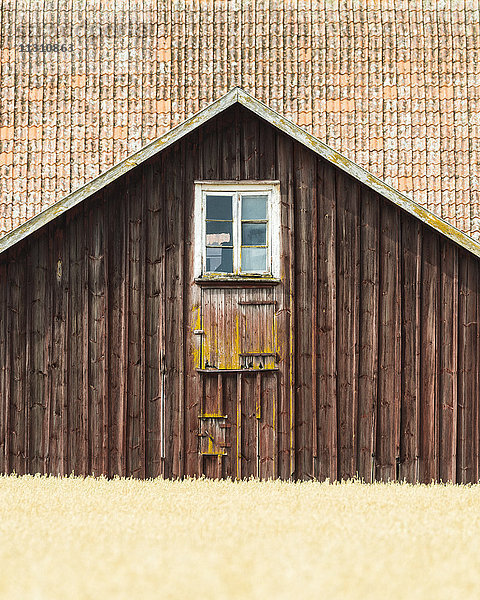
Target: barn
{"points": [[237, 299]]}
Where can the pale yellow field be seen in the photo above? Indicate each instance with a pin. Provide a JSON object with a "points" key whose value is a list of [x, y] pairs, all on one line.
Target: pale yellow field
{"points": [[91, 538]]}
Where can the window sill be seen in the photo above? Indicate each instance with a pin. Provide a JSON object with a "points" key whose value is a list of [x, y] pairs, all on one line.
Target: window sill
{"points": [[220, 282]]}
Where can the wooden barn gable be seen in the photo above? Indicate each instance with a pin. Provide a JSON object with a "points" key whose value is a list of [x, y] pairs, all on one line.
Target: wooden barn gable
{"points": [[354, 351]]}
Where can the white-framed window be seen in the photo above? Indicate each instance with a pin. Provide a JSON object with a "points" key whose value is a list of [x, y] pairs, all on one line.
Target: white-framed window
{"points": [[237, 229]]}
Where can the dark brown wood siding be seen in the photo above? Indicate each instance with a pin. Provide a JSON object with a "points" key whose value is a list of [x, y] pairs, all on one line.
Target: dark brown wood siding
{"points": [[377, 319]]}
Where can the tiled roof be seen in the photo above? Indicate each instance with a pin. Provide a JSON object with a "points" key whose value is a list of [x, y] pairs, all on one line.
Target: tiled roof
{"points": [[394, 85]]}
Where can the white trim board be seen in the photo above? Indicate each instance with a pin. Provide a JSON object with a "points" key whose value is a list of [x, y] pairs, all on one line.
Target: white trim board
{"points": [[237, 95]]}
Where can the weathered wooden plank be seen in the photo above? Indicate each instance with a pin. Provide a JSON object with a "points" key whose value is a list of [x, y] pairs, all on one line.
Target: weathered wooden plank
{"points": [[229, 408], [429, 353], [267, 159], [239, 427], [4, 395], [229, 145], [250, 148], [123, 419], [475, 400], [192, 318], [135, 325], [27, 357], [179, 206], [7, 374], [348, 272], [467, 392], [86, 469], [17, 316], [38, 359], [142, 291], [75, 358], [97, 327], [249, 427], [59, 264], [448, 349], [209, 152], [285, 311], [305, 198], [106, 343], [389, 352], [368, 334], [326, 324], [411, 282], [115, 260], [174, 338], [266, 396], [153, 321]]}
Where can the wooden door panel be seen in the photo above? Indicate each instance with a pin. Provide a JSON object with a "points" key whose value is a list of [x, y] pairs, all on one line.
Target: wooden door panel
{"points": [[220, 340], [238, 375], [237, 424], [238, 328]]}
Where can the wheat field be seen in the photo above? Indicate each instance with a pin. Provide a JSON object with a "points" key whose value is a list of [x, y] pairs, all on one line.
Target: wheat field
{"points": [[93, 538]]}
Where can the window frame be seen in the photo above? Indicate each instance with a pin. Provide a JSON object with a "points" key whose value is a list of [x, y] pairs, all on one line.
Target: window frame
{"points": [[236, 188]]}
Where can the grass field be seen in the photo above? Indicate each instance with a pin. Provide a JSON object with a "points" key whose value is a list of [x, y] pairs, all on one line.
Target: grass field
{"points": [[92, 538]]}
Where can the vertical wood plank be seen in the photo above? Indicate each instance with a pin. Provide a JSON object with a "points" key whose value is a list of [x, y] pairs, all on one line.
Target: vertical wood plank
{"points": [[448, 349], [4, 396], [467, 395], [228, 143], [250, 148], [142, 294], [97, 320], [75, 356], [347, 193], [59, 264], [389, 384], [153, 321], [85, 344], [429, 352], [368, 333], [38, 362], [285, 311], [116, 317], [267, 395], [192, 309], [123, 420], [249, 440], [239, 432], [134, 434], [411, 282], [174, 310], [267, 158], [326, 324], [7, 373], [28, 295], [16, 284], [305, 178]]}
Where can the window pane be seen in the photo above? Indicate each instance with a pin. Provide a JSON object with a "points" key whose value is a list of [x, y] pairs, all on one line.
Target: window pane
{"points": [[219, 260], [219, 207], [219, 233], [254, 207], [254, 260], [254, 234]]}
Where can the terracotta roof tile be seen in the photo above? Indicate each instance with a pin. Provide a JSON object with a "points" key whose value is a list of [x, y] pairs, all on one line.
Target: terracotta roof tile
{"points": [[394, 85]]}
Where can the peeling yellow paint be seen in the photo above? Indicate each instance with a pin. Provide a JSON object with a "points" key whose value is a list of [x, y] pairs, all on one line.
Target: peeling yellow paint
{"points": [[196, 345], [212, 416]]}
